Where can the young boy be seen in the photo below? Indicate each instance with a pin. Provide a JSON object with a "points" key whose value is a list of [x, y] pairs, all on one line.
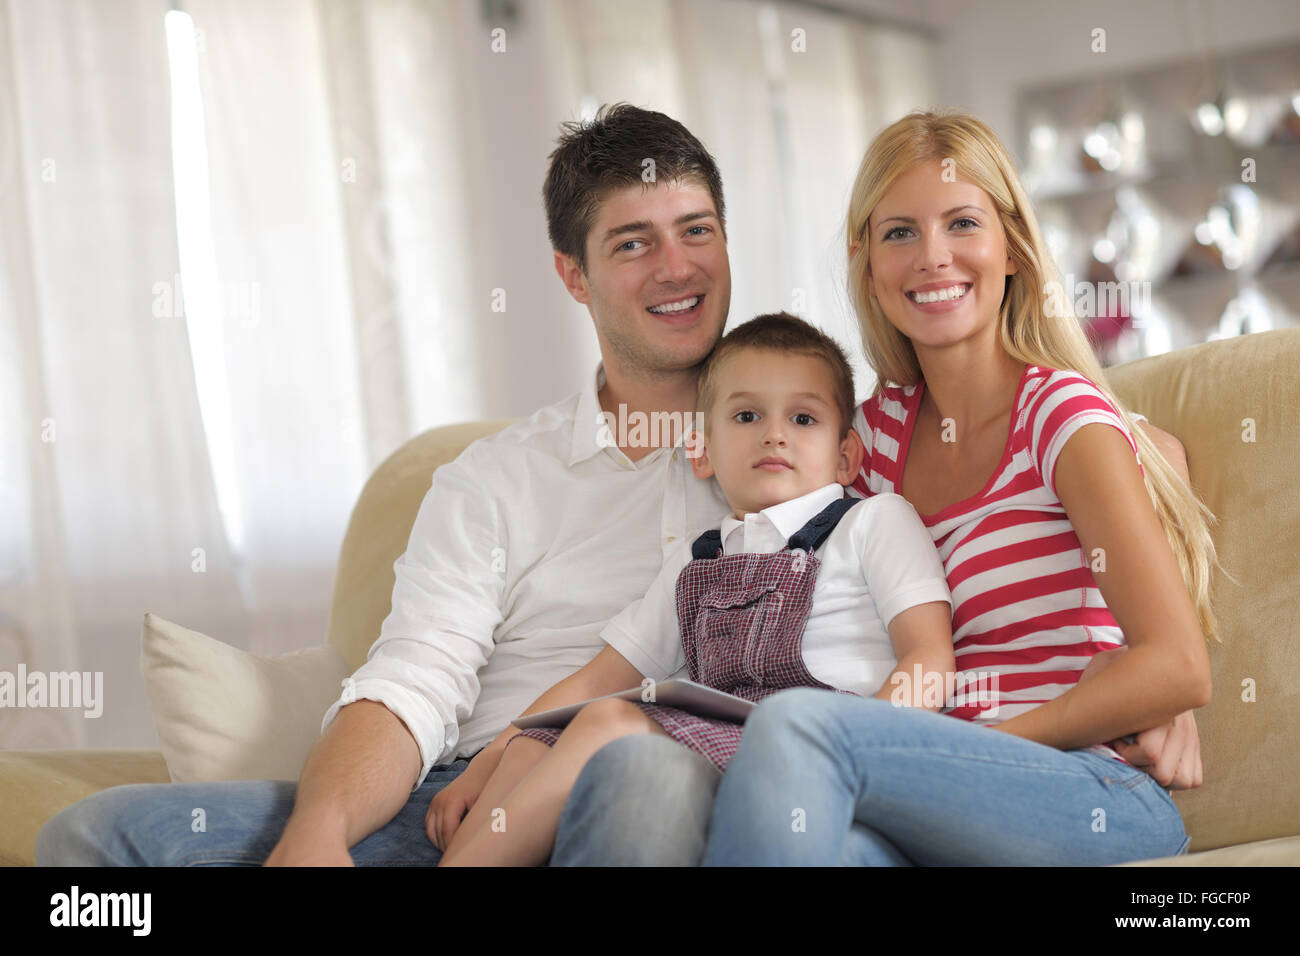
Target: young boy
{"points": [[801, 587]]}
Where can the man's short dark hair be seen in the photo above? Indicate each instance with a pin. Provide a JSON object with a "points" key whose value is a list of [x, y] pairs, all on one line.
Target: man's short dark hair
{"points": [[595, 158], [785, 334]]}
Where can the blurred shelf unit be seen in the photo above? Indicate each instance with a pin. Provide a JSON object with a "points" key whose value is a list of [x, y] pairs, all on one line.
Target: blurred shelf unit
{"points": [[1170, 197]]}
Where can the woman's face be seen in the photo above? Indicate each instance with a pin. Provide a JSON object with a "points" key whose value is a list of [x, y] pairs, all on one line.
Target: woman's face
{"points": [[937, 256]]}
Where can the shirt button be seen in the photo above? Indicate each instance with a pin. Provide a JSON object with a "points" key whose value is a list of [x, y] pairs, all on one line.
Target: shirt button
{"points": [[674, 456], [671, 537]]}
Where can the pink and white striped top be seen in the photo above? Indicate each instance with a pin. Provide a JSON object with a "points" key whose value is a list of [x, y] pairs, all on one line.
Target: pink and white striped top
{"points": [[1027, 613]]}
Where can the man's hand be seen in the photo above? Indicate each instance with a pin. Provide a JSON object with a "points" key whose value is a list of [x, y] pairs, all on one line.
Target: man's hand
{"points": [[1171, 753], [450, 804], [1170, 447], [303, 844]]}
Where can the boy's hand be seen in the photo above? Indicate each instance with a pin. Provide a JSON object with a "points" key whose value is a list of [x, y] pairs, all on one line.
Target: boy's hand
{"points": [[452, 802], [1171, 753]]}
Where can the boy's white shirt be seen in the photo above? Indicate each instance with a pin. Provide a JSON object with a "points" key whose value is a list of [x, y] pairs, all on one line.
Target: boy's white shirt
{"points": [[879, 561]]}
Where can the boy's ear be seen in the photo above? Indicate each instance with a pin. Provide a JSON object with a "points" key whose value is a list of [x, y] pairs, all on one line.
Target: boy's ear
{"points": [[574, 279], [852, 454], [697, 451]]}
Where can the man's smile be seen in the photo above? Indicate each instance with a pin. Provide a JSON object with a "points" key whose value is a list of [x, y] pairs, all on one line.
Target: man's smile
{"points": [[679, 309]]}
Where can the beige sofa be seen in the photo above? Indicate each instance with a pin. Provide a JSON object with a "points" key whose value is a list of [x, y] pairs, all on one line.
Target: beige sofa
{"points": [[1248, 811]]}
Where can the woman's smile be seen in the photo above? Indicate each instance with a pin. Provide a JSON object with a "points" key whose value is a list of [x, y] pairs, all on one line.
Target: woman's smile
{"points": [[940, 296]]}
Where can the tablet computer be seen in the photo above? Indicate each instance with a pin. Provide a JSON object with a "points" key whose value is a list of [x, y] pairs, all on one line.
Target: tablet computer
{"points": [[675, 692]]}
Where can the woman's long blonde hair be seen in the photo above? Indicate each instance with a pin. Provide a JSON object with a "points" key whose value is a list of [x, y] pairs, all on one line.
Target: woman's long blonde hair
{"points": [[1026, 330]]}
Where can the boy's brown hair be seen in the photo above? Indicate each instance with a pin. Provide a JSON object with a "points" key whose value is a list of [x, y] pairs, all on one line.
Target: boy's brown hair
{"points": [[595, 158], [781, 332]]}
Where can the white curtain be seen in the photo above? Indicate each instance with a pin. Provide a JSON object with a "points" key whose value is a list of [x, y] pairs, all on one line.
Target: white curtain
{"points": [[378, 266]]}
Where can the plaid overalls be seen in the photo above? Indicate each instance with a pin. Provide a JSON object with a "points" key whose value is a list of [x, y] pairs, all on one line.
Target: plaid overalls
{"points": [[742, 618]]}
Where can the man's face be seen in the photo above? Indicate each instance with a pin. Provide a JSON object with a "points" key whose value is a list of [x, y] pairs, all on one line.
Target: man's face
{"points": [[658, 282], [773, 432]]}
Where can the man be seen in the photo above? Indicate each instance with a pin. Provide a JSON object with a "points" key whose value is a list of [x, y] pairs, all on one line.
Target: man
{"points": [[523, 549]]}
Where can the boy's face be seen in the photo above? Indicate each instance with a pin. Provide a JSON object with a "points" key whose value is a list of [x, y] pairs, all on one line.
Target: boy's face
{"points": [[650, 247], [773, 432]]}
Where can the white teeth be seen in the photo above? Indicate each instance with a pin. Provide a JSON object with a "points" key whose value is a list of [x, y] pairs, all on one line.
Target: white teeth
{"points": [[940, 295], [681, 306]]}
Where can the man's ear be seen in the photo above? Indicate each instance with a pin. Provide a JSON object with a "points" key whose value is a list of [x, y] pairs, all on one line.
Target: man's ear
{"points": [[852, 454], [697, 450], [574, 279]]}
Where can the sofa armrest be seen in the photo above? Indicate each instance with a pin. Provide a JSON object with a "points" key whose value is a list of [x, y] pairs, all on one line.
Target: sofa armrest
{"points": [[37, 784]]}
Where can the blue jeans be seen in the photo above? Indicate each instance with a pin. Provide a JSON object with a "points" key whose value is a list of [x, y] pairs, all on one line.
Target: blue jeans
{"points": [[823, 778], [151, 824], [642, 800]]}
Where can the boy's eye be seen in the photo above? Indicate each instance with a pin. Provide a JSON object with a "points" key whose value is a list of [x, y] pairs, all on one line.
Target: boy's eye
{"points": [[627, 246], [745, 417], [803, 418]]}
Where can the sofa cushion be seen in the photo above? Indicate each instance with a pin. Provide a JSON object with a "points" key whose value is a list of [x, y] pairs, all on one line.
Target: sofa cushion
{"points": [[1233, 403], [225, 714], [1284, 851], [379, 529]]}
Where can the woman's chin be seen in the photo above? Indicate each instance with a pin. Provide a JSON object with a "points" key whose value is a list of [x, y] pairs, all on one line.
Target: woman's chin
{"points": [[941, 334]]}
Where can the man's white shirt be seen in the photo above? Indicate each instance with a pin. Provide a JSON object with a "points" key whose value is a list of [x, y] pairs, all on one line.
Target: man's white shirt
{"points": [[878, 562], [523, 549]]}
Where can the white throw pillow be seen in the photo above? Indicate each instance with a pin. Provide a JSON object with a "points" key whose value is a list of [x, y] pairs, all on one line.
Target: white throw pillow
{"points": [[226, 714]]}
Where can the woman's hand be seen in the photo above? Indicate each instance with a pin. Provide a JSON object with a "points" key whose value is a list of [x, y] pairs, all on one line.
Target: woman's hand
{"points": [[1170, 753], [450, 805]]}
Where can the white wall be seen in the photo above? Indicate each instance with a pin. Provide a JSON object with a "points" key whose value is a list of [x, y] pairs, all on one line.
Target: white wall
{"points": [[992, 49]]}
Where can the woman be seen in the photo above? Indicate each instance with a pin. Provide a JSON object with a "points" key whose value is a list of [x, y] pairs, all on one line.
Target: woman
{"points": [[1063, 535]]}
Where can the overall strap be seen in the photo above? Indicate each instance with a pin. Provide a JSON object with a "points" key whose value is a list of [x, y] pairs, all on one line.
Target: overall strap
{"points": [[810, 536], [807, 538], [707, 545]]}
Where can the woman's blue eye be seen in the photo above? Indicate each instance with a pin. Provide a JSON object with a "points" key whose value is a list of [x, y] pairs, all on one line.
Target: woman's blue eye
{"points": [[966, 219], [889, 235]]}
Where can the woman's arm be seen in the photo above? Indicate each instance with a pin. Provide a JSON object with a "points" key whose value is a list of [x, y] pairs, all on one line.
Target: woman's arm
{"points": [[1171, 753], [1166, 669], [922, 639], [606, 673]]}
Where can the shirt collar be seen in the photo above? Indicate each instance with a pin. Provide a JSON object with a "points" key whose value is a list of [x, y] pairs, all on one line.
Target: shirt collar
{"points": [[787, 517], [592, 433], [589, 429]]}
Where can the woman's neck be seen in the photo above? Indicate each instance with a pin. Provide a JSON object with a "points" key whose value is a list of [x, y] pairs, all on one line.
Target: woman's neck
{"points": [[971, 385]]}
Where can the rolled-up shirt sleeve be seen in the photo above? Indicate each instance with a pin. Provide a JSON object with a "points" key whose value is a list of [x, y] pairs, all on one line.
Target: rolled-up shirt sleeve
{"points": [[447, 602]]}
